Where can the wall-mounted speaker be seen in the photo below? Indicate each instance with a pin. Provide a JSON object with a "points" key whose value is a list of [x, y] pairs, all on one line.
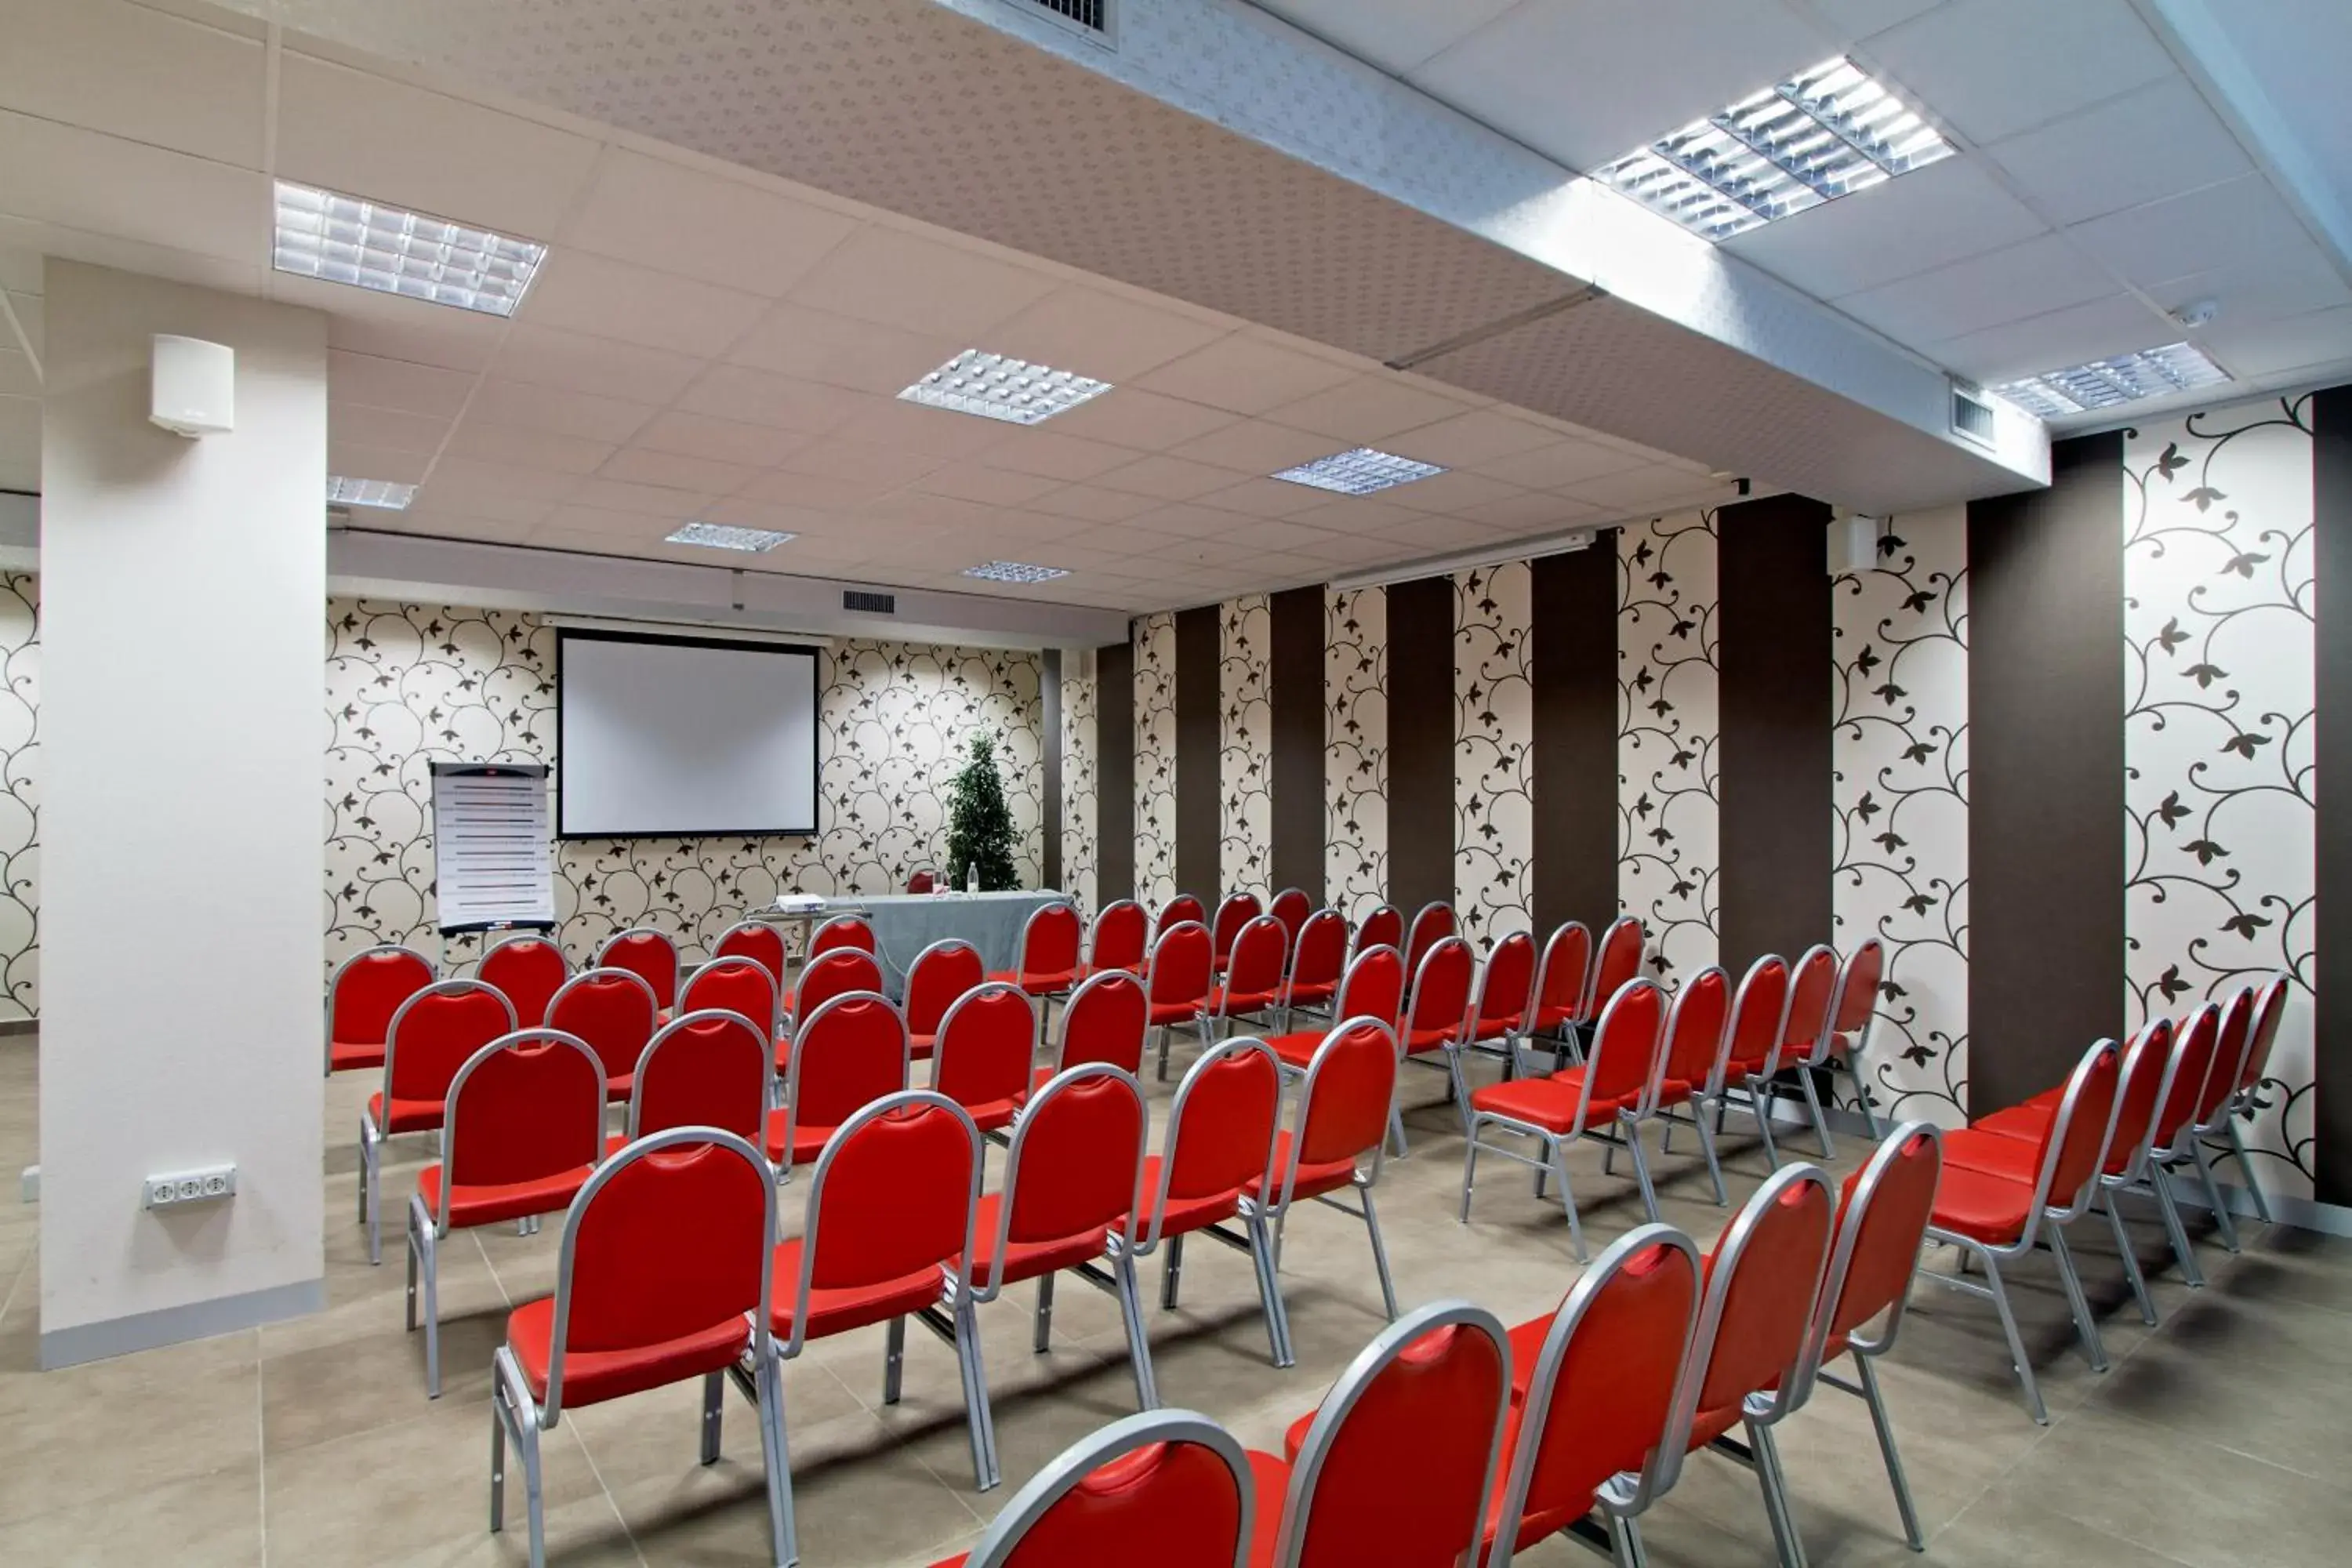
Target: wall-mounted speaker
{"points": [[191, 390]]}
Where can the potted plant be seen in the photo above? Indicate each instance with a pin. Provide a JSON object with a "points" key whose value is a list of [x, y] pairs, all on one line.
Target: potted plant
{"points": [[980, 823]]}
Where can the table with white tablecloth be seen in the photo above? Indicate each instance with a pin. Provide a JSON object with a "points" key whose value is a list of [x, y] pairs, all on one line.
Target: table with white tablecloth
{"points": [[905, 923]]}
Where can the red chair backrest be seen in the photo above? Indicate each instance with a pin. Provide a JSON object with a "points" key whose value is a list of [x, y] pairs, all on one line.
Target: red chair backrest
{"points": [[1382, 926], [922, 882], [1319, 949], [892, 1194], [368, 989], [1603, 1384], [835, 974], [1078, 1157], [529, 970], [1561, 977], [649, 955], [1811, 985], [740, 986], [2229, 1054], [1237, 911], [2268, 1015], [1510, 974], [528, 1105], [1344, 1107], [2143, 1082], [1399, 1464], [986, 1045], [1167, 1489], [1440, 985], [1291, 907], [842, 931], [1184, 907], [1373, 987], [1619, 960], [1756, 1011], [1221, 1128], [613, 1010], [1050, 940], [757, 940], [1106, 1022], [1181, 966], [850, 1053], [1625, 1043], [706, 1069], [1857, 987], [2192, 1059], [435, 1031], [1694, 1030], [2078, 1142], [942, 972], [1255, 962], [1431, 923], [1762, 1279], [1122, 937], [1883, 1213], [671, 1238]]}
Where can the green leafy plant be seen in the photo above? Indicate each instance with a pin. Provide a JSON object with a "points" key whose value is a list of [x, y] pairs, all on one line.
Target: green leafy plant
{"points": [[979, 824]]}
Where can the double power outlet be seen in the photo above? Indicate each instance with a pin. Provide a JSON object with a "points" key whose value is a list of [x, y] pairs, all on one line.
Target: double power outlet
{"points": [[207, 1186]]}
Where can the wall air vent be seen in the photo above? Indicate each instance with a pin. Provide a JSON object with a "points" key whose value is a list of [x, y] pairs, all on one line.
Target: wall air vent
{"points": [[1972, 416], [869, 604], [1093, 19]]}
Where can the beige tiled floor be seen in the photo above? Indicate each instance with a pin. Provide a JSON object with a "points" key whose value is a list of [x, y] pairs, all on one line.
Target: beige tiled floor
{"points": [[2216, 1441]]}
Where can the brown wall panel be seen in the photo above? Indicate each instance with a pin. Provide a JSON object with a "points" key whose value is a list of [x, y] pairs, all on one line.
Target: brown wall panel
{"points": [[1115, 772], [1574, 757], [2332, 977], [1296, 675], [1199, 745], [1421, 741], [1051, 691]]}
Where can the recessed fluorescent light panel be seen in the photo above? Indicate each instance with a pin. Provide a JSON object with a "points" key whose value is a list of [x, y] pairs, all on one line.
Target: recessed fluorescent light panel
{"points": [[383, 493], [1823, 133], [348, 239], [724, 536], [1359, 472], [995, 387], [1014, 572], [2105, 383]]}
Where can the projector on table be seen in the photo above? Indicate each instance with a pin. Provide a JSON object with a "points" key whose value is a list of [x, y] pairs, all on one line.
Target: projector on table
{"points": [[799, 903]]}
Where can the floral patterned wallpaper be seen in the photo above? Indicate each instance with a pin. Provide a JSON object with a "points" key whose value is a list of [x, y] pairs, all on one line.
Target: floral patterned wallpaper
{"points": [[1244, 746], [1081, 787], [1667, 778], [20, 802], [1155, 760], [1900, 791], [1493, 731], [2218, 746], [410, 684], [1355, 750]]}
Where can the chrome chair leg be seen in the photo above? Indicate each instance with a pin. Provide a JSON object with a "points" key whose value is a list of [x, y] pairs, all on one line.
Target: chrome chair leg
{"points": [[775, 1460], [1999, 1289], [2132, 1273], [2246, 1168], [2085, 1324], [2159, 1181], [1642, 1168], [1773, 1481], [979, 1419], [1139, 1343], [1379, 1252], [1041, 1338], [1171, 1274], [714, 1415], [1876, 1399], [2221, 1217], [1558, 1153], [1469, 1169], [894, 1360], [1269, 1288], [1813, 1109], [1706, 1147]]}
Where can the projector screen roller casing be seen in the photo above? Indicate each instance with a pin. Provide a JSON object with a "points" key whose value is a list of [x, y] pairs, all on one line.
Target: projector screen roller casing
{"points": [[667, 737]]}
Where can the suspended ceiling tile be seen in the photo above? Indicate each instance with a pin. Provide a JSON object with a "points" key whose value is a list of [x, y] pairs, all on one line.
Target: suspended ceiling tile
{"points": [[757, 397], [134, 72], [673, 471], [2114, 325], [1046, 453], [2157, 141], [719, 440], [396, 384], [892, 277], [1366, 410], [1990, 69], [1143, 420], [1932, 217], [1394, 34], [1255, 446], [602, 367], [676, 219], [816, 346], [2237, 222], [582, 293], [610, 420], [2005, 285], [76, 179], [363, 425], [1093, 333], [1246, 374], [1170, 478]]}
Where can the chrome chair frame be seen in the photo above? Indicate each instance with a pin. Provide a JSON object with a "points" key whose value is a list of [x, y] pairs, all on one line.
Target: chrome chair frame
{"points": [[1277, 1212], [1457, 1090], [1002, 1539], [1200, 1018], [1764, 1091], [1564, 1047], [2245, 1101], [1287, 1010], [372, 1137], [1652, 1107]]}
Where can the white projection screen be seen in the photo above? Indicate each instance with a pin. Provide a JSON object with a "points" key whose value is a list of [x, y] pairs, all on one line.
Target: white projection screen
{"points": [[670, 737]]}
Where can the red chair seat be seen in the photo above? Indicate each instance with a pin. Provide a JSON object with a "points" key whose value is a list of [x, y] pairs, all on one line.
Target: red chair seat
{"points": [[618, 1086], [854, 1307], [1419, 1040], [995, 1115], [919, 1046], [1297, 1051], [1027, 1260], [1184, 1216], [347, 1056], [1037, 982], [1547, 1102], [407, 1115], [487, 1203], [808, 1143], [1992, 1153], [1222, 1000], [1313, 1181], [1494, 1028], [1676, 1091], [2029, 1121], [592, 1377], [1164, 1012], [1314, 992], [1991, 1209], [1526, 1343]]}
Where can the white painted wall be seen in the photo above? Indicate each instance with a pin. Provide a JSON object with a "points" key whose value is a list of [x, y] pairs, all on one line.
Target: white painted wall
{"points": [[182, 860]]}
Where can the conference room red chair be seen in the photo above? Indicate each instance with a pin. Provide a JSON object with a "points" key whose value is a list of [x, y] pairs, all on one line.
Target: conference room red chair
{"points": [[1236, 910], [986, 1045], [2194, 1043], [1049, 963], [1763, 1277], [430, 1035], [1318, 959], [940, 972], [1853, 1010], [1437, 1013], [1595, 1386], [1600, 1100], [842, 931], [1291, 907], [1253, 975], [1431, 924], [1382, 926], [1165, 1488], [529, 970], [524, 1130], [1372, 988], [1751, 1049], [1219, 1143], [1805, 1040], [1397, 1465], [1106, 1020], [2245, 1100], [1347, 1108], [1122, 939], [661, 1277], [1884, 1209], [923, 881], [1556, 999], [647, 953], [365, 990], [1178, 981], [889, 1219], [757, 940], [616, 1012], [706, 1069], [1997, 1219], [851, 1052], [1073, 1185], [1499, 1011], [1697, 1030], [2210, 1123], [734, 985], [1176, 911], [1617, 961], [837, 972]]}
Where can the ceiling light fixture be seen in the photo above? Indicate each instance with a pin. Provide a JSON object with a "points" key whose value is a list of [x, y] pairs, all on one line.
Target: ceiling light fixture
{"points": [[995, 387], [1359, 472], [349, 239], [726, 536], [2107, 382], [1014, 572], [382, 493], [1822, 134]]}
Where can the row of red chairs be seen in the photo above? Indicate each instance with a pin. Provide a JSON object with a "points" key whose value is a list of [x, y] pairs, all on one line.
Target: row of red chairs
{"points": [[1452, 1440]]}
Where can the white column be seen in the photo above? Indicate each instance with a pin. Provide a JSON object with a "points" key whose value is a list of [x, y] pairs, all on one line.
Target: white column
{"points": [[182, 583]]}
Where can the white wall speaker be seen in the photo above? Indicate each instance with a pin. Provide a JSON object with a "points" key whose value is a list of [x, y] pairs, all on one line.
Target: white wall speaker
{"points": [[192, 389]]}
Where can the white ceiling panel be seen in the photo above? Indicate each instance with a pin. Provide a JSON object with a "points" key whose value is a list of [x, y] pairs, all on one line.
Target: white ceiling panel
{"points": [[20, 443], [464, 481], [645, 500], [912, 428], [17, 377], [1094, 334], [1367, 409], [1093, 504], [582, 293], [361, 425], [1246, 374], [676, 219], [2232, 224], [390, 327], [994, 487], [891, 278], [2154, 142], [719, 440], [1457, 490], [1143, 420], [1942, 213], [2006, 285], [395, 383], [739, 392], [2116, 325], [644, 465], [862, 463], [816, 346], [60, 174], [1990, 69], [611, 420], [602, 367], [369, 136], [359, 462], [527, 448], [134, 72], [2274, 348], [1267, 498], [1480, 436], [1394, 34], [1855, 19], [2289, 281], [1054, 456], [1167, 478], [1255, 447], [1529, 512], [1559, 464]]}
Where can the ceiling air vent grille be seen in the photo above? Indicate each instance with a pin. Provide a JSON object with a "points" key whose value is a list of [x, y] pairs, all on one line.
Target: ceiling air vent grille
{"points": [[1972, 416], [1095, 19], [869, 604]]}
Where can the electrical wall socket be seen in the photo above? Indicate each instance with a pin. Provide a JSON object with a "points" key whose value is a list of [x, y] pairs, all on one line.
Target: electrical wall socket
{"points": [[206, 1186]]}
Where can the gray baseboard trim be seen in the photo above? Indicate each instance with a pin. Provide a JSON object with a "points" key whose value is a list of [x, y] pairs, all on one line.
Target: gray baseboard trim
{"points": [[174, 1325], [19, 1027], [2303, 1214]]}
